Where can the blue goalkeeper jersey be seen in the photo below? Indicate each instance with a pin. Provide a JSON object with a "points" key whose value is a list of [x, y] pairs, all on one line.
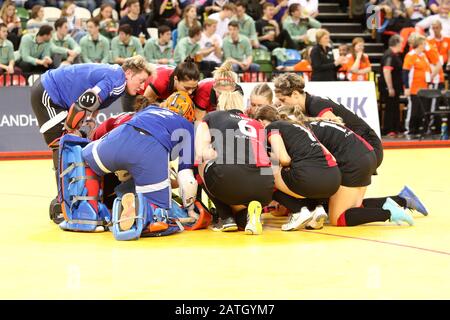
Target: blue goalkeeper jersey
{"points": [[65, 84], [171, 130]]}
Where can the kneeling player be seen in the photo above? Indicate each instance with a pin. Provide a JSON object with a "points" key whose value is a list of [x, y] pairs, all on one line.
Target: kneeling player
{"points": [[143, 147], [234, 165]]}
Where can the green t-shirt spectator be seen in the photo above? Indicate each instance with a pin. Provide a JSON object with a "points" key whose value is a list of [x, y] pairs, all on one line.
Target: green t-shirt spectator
{"points": [[30, 50], [183, 29], [94, 51], [121, 50], [297, 29], [184, 49], [62, 46], [247, 27], [239, 50], [6, 52], [153, 51]]}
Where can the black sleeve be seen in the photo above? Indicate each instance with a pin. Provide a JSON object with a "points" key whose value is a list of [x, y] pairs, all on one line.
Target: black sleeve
{"points": [[259, 27], [319, 106], [144, 27], [123, 20], [318, 63]]}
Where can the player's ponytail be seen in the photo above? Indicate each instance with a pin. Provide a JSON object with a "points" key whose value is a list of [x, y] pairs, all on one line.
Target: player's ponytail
{"points": [[230, 100], [187, 70], [224, 75], [268, 113]]}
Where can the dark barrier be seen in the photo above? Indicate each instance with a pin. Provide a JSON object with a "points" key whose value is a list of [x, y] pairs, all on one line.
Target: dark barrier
{"points": [[19, 131]]}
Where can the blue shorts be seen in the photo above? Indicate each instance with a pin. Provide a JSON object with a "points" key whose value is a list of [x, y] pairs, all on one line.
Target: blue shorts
{"points": [[126, 148]]}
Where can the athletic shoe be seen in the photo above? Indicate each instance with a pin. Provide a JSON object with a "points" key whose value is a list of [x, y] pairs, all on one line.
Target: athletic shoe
{"points": [[128, 214], [254, 225], [319, 218], [398, 214], [298, 220], [412, 201], [225, 225]]}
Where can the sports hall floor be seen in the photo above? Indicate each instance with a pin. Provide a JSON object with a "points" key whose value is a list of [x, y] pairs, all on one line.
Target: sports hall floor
{"points": [[377, 261]]}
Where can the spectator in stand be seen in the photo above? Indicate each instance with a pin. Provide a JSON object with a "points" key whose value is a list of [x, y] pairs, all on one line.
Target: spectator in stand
{"points": [[281, 6], [358, 65], [237, 49], [343, 50], [189, 20], [135, 21], [65, 50], [125, 45], [159, 51], [108, 26], [75, 25], [440, 43], [208, 40], [433, 5], [88, 4], [8, 16], [190, 47], [246, 24], [416, 9], [297, 24], [269, 33], [166, 12], [396, 12], [442, 16], [223, 18], [324, 67], [36, 19], [29, 4], [309, 7], [254, 8], [416, 76], [303, 65], [94, 45], [35, 51], [7, 62], [391, 86], [214, 6]]}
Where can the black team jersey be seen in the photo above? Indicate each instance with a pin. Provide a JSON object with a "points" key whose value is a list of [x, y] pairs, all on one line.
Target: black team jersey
{"points": [[237, 138], [301, 145], [342, 142], [316, 106]]}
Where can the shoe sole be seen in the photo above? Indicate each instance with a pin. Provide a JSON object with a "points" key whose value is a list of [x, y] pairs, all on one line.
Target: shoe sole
{"points": [[128, 214], [229, 227], [320, 220], [300, 226], [254, 212]]}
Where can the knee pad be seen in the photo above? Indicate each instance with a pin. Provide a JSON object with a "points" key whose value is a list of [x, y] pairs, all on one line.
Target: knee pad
{"points": [[150, 221], [79, 189]]}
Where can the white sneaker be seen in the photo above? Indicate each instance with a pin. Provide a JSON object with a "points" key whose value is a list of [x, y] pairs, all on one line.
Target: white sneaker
{"points": [[319, 218], [298, 220]]}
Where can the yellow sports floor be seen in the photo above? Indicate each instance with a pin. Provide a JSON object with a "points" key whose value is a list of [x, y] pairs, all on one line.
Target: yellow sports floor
{"points": [[377, 261]]}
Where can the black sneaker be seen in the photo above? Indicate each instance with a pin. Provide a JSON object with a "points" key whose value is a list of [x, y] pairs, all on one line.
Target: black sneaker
{"points": [[226, 225], [55, 211]]}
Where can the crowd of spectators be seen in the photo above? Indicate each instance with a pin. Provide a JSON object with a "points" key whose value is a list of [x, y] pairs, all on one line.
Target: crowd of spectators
{"points": [[212, 31]]}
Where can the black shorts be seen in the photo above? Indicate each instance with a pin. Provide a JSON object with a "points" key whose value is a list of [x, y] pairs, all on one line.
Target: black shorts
{"points": [[358, 171], [235, 184], [310, 181], [45, 111], [375, 142]]}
